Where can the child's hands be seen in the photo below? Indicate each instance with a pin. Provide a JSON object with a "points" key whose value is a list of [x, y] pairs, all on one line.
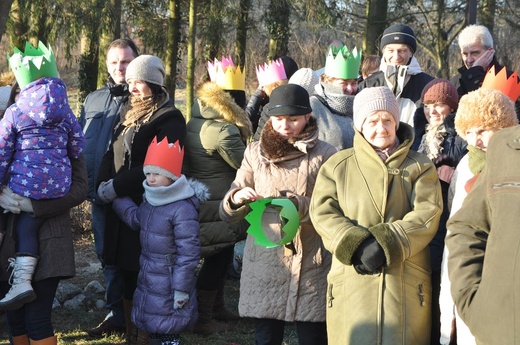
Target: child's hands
{"points": [[14, 203], [180, 299], [245, 195]]}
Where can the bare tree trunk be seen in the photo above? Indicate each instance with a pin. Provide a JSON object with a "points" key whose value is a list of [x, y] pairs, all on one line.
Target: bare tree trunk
{"points": [[172, 45], [277, 19], [20, 18], [190, 73], [5, 9], [375, 25], [487, 14], [213, 31], [242, 21]]}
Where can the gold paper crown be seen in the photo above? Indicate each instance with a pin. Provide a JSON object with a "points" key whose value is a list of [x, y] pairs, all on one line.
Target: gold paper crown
{"points": [[499, 81], [32, 64], [225, 75], [165, 155], [343, 63]]}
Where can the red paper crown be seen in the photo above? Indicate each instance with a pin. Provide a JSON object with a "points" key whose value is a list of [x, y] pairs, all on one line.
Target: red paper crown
{"points": [[165, 155], [499, 81]]}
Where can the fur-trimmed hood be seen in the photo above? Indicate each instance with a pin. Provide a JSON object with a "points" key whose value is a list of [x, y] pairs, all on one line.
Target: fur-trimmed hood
{"points": [[215, 103]]}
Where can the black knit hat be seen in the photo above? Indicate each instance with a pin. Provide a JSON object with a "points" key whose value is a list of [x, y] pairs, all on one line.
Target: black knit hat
{"points": [[399, 33], [289, 99]]}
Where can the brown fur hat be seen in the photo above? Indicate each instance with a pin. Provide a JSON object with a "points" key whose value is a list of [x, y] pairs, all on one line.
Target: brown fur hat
{"points": [[487, 109]]}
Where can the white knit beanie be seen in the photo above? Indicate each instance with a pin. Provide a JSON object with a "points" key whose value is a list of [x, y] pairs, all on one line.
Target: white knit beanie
{"points": [[306, 78], [373, 99], [155, 169], [146, 67]]}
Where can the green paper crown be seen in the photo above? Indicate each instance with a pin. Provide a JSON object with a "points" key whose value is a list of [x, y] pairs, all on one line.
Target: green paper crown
{"points": [[289, 218], [33, 64], [342, 63]]}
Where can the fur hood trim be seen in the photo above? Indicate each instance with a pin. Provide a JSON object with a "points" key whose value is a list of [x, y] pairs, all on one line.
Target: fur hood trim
{"points": [[201, 190], [222, 104]]}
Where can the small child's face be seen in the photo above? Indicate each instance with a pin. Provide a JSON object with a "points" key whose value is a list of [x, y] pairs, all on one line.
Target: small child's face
{"points": [[156, 180]]}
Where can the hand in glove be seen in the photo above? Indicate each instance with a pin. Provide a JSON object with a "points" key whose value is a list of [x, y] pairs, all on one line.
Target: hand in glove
{"points": [[443, 159], [371, 255], [180, 299], [106, 191], [14, 203]]}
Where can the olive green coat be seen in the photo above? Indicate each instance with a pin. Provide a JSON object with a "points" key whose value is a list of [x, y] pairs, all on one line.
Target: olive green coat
{"points": [[355, 191]]}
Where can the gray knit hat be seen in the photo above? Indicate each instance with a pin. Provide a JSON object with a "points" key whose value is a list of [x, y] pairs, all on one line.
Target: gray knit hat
{"points": [[146, 67], [155, 169], [373, 99], [306, 78]]}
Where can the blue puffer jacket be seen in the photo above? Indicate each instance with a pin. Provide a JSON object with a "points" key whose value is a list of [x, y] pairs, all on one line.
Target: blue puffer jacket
{"points": [[168, 220]]}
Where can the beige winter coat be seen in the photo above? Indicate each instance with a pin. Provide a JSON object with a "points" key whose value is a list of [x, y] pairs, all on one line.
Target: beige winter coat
{"points": [[278, 283]]}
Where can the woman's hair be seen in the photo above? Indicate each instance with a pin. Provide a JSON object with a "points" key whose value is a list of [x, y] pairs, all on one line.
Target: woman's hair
{"points": [[15, 90], [239, 96], [270, 87], [475, 33], [370, 65]]}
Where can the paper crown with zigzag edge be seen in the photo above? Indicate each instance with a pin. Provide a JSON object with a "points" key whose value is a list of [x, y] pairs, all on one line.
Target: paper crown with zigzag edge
{"points": [[33, 63], [226, 75], [271, 72], [165, 155], [499, 81], [343, 63]]}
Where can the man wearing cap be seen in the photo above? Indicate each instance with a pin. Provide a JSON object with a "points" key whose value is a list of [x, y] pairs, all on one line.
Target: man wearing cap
{"points": [[377, 206], [400, 70], [99, 113], [286, 283]]}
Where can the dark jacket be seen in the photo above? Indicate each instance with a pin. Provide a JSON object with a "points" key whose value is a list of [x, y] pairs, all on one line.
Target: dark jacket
{"points": [[453, 149], [410, 97], [214, 150], [483, 261], [55, 236], [121, 244], [99, 114]]}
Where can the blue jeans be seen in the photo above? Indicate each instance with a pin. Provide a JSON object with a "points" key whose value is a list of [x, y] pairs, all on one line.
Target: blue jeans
{"points": [[113, 276], [34, 318]]}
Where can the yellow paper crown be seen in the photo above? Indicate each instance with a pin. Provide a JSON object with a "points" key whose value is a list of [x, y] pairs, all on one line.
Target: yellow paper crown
{"points": [[225, 75], [343, 63], [499, 81]]}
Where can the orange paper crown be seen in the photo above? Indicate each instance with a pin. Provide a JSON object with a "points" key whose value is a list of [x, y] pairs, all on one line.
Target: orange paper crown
{"points": [[165, 155], [225, 75], [270, 73], [499, 81]]}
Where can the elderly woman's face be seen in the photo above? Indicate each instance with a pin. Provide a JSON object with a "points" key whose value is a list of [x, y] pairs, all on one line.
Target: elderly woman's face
{"points": [[479, 137], [139, 88], [379, 129]]}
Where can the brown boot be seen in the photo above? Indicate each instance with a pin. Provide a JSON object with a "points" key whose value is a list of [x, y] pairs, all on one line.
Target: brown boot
{"points": [[131, 331], [143, 338], [47, 341], [21, 340], [220, 311], [206, 324]]}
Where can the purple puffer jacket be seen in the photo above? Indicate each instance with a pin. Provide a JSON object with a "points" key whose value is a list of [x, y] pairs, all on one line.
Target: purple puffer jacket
{"points": [[169, 257], [38, 136]]}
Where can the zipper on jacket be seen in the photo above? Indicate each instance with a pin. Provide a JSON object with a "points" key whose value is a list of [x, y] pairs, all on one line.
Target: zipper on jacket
{"points": [[421, 295], [329, 300]]}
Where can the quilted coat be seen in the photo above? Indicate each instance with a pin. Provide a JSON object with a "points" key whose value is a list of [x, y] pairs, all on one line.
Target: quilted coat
{"points": [[483, 242], [39, 135], [169, 234], [355, 191], [279, 283], [216, 139]]}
